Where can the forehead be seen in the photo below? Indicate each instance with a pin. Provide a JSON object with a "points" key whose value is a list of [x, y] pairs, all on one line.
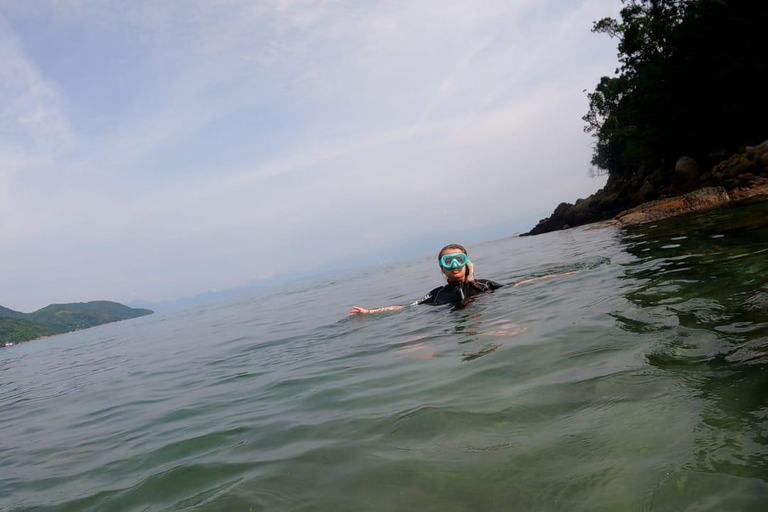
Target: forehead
{"points": [[451, 250]]}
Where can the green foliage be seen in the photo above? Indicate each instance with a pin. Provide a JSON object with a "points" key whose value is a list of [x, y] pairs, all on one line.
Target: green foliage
{"points": [[690, 83], [16, 330], [9, 313], [58, 318]]}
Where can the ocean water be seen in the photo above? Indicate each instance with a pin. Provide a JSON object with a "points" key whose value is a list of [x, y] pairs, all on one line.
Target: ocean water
{"points": [[638, 383]]}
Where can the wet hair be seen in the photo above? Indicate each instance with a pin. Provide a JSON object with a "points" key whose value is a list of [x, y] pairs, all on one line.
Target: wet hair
{"points": [[451, 246], [470, 267]]}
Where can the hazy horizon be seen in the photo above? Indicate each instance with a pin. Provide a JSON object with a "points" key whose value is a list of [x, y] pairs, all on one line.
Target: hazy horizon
{"points": [[246, 287]]}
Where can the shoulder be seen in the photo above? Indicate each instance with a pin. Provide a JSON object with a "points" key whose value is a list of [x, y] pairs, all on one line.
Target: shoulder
{"points": [[431, 296], [488, 284]]}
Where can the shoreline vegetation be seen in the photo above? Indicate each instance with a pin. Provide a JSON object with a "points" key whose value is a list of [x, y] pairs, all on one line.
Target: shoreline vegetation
{"points": [[681, 126], [17, 327]]}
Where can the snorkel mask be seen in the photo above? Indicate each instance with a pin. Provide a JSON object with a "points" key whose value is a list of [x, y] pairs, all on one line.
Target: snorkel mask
{"points": [[454, 260]]}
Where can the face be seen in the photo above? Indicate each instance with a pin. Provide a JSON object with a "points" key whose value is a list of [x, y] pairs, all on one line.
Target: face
{"points": [[454, 274]]}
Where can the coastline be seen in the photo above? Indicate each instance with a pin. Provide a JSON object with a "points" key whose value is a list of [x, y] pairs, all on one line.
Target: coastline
{"points": [[739, 179]]}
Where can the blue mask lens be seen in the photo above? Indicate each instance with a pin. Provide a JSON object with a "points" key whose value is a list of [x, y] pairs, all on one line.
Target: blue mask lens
{"points": [[453, 260]]}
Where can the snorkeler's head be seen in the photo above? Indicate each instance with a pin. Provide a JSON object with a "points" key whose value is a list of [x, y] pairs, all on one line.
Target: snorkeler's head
{"points": [[455, 263]]}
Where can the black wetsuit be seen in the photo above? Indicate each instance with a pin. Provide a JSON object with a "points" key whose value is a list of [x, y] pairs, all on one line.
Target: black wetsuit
{"points": [[458, 293]]}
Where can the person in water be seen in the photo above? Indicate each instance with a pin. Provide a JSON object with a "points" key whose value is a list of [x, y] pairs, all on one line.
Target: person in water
{"points": [[462, 284]]}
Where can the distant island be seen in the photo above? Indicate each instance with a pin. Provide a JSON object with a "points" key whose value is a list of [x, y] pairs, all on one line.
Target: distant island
{"points": [[681, 126], [16, 327]]}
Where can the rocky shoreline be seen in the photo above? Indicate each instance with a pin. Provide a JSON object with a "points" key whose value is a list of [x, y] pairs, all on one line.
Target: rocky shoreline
{"points": [[665, 193]]}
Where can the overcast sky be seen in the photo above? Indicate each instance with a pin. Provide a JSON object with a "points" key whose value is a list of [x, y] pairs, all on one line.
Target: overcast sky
{"points": [[154, 149]]}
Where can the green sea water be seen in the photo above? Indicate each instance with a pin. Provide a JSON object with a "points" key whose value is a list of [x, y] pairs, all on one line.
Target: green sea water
{"points": [[638, 383]]}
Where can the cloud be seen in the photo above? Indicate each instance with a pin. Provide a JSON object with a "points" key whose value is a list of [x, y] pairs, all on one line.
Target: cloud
{"points": [[33, 125], [239, 128], [31, 113]]}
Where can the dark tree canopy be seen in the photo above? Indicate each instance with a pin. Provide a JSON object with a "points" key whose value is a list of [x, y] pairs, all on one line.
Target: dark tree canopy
{"points": [[691, 81]]}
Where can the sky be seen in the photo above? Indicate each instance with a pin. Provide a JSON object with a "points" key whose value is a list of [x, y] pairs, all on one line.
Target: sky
{"points": [[154, 150]]}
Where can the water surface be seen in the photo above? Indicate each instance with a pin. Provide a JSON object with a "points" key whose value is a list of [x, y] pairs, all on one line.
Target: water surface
{"points": [[639, 383]]}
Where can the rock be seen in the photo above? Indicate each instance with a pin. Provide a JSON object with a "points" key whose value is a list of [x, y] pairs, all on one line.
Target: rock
{"points": [[561, 209], [746, 177], [742, 177], [717, 156], [667, 191], [687, 169], [647, 192], [603, 224], [728, 167], [583, 203], [753, 160], [706, 179], [554, 222], [752, 194], [657, 177], [607, 202], [696, 201], [583, 211]]}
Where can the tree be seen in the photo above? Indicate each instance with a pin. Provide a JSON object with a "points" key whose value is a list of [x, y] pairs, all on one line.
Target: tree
{"points": [[690, 82]]}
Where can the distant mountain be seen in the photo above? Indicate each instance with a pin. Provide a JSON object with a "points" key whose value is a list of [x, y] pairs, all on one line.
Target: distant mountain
{"points": [[210, 296], [57, 318], [185, 302], [9, 313]]}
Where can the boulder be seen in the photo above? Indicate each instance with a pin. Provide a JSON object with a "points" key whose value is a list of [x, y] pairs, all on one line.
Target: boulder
{"points": [[755, 193], [582, 212], [687, 169], [696, 201], [706, 177], [657, 177], [607, 202], [558, 220], [752, 160], [561, 209], [746, 177], [646, 193]]}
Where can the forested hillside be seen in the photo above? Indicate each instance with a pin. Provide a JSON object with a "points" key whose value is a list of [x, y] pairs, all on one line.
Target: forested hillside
{"points": [[16, 330], [57, 318]]}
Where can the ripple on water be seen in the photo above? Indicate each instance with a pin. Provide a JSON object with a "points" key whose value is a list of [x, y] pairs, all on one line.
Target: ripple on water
{"points": [[636, 383]]}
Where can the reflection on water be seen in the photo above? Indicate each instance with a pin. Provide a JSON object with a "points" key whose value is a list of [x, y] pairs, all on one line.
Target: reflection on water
{"points": [[705, 301], [637, 383]]}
